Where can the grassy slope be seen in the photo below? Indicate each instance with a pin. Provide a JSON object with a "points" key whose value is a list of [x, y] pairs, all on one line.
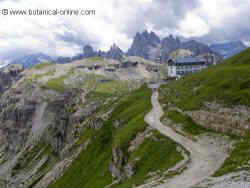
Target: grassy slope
{"points": [[90, 169], [89, 82], [228, 84], [188, 125], [238, 160], [154, 156], [42, 65], [29, 159]]}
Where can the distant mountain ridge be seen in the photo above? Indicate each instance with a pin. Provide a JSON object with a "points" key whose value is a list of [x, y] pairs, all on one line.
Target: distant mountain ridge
{"points": [[228, 49], [150, 46], [33, 59], [146, 45]]}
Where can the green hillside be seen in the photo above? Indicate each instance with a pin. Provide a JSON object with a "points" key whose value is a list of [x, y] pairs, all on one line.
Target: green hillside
{"points": [[91, 168], [227, 83]]}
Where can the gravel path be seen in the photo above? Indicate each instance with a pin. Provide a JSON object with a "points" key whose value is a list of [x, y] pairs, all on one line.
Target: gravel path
{"points": [[205, 156]]}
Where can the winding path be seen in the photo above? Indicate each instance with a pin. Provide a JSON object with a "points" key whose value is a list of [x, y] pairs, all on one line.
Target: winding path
{"points": [[205, 157]]}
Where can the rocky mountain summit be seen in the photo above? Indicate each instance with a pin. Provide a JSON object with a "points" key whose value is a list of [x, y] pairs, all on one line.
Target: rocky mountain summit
{"points": [[146, 45], [88, 52], [114, 53], [143, 44], [150, 46]]}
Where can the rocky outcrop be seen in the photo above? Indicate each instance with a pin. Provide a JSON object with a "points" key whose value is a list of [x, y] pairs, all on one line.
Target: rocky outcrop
{"points": [[139, 139], [15, 124], [116, 165], [180, 53], [17, 114], [120, 168], [36, 131], [9, 75], [114, 53], [233, 120], [59, 169]]}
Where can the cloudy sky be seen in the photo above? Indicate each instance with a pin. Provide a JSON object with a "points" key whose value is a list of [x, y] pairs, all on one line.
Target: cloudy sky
{"points": [[117, 21]]}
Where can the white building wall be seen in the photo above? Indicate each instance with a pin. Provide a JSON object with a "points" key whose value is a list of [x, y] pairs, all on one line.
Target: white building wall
{"points": [[172, 71]]}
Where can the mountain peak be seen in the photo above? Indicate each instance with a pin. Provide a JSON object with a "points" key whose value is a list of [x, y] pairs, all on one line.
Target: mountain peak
{"points": [[142, 44], [115, 52]]}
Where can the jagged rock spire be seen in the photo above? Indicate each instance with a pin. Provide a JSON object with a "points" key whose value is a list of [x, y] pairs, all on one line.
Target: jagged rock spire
{"points": [[115, 52]]}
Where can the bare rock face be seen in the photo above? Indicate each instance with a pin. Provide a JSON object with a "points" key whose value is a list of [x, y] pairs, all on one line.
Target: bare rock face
{"points": [[2, 137], [15, 117], [116, 165], [62, 119], [9, 75], [24, 128], [150, 46], [129, 170], [120, 168], [139, 139], [143, 44], [226, 120], [96, 123], [54, 174], [115, 53]]}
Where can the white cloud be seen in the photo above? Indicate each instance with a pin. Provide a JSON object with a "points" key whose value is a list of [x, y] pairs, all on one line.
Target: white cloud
{"points": [[226, 20], [193, 26], [36, 32], [116, 21]]}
